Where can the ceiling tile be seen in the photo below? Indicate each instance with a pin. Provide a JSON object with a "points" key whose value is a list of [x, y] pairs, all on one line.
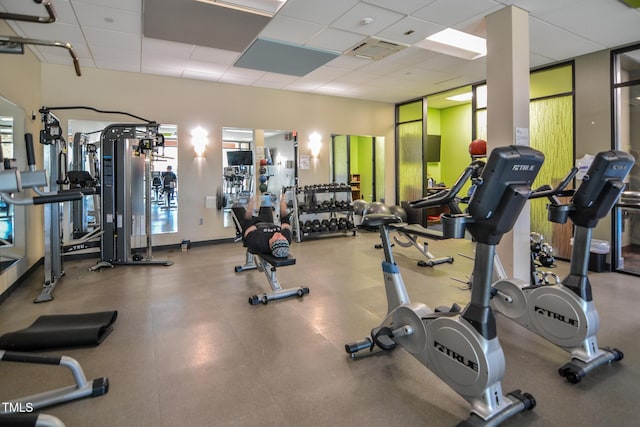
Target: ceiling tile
{"points": [[348, 62], [291, 29], [196, 23], [617, 15], [131, 5], [418, 28], [217, 56], [197, 75], [406, 7], [170, 49], [321, 12], [337, 40], [107, 18], [352, 20], [98, 37], [557, 43], [451, 12], [206, 67], [278, 57]]}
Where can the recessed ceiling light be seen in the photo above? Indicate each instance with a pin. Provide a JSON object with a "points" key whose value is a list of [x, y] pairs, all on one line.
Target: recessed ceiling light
{"points": [[266, 8], [455, 43]]}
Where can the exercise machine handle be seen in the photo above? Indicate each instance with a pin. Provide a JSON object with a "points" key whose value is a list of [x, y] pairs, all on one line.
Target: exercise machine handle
{"points": [[31, 155], [559, 190], [56, 198], [446, 196]]}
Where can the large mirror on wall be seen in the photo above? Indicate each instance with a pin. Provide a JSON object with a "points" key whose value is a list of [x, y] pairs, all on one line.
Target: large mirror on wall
{"points": [[12, 217], [255, 162], [81, 222]]}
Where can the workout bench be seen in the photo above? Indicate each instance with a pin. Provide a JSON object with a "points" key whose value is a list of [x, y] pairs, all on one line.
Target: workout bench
{"points": [[411, 232], [266, 263]]}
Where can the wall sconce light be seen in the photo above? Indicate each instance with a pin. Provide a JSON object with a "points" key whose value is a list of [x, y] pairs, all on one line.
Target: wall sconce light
{"points": [[199, 141], [315, 143]]}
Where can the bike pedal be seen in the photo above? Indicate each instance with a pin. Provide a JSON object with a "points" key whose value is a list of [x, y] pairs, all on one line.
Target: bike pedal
{"points": [[385, 342], [383, 338]]}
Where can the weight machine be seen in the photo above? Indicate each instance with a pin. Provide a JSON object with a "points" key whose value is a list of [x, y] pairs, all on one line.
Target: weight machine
{"points": [[126, 154]]}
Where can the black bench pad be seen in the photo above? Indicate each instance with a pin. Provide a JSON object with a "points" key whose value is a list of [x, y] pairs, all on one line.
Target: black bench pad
{"points": [[275, 261], [418, 230]]}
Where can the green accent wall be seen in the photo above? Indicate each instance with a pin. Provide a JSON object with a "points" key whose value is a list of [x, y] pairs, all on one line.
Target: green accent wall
{"points": [[456, 136], [364, 160]]}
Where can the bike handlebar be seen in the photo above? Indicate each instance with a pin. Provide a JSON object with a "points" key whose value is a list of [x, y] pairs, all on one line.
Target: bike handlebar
{"points": [[559, 190], [446, 196]]}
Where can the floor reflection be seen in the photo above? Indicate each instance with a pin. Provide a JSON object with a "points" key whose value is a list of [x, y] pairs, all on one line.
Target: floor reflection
{"points": [[164, 219]]}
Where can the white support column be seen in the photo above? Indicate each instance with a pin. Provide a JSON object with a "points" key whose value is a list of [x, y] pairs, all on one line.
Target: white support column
{"points": [[508, 113]]}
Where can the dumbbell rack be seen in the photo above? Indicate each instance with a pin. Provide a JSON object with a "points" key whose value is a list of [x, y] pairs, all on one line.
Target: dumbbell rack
{"points": [[330, 207]]}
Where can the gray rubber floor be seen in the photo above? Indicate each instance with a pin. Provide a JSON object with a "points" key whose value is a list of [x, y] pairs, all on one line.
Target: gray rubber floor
{"points": [[188, 350]]}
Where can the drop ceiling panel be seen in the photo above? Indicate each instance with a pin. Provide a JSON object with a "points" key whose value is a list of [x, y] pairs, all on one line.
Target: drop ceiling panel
{"points": [[198, 75], [406, 7], [349, 62], [192, 22], [381, 19], [321, 12], [205, 67], [336, 40], [107, 18], [291, 30], [132, 5], [109, 55], [626, 21], [167, 49], [451, 12], [542, 7], [217, 56], [98, 37], [284, 58], [418, 29], [557, 43]]}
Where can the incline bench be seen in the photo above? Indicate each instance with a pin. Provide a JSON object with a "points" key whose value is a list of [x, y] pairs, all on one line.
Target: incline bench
{"points": [[266, 263], [411, 232]]}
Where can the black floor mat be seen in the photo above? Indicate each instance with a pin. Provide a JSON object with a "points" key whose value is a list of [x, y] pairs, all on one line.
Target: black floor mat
{"points": [[61, 331]]}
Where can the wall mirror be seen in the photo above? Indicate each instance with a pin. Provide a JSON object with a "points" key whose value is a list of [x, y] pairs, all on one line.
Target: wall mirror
{"points": [[255, 162], [12, 217]]}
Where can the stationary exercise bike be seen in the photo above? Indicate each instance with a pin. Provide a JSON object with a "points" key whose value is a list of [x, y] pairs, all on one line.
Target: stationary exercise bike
{"points": [[462, 347], [564, 313]]}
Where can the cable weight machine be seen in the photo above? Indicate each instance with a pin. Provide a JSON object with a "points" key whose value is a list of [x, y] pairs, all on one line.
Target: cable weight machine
{"points": [[127, 152]]}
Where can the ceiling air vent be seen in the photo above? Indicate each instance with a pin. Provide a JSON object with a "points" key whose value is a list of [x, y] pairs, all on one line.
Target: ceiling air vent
{"points": [[374, 49]]}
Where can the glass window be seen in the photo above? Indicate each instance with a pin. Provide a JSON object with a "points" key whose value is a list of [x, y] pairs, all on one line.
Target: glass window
{"points": [[626, 95]]}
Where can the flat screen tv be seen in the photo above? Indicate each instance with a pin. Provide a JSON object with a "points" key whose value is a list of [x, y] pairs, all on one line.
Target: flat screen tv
{"points": [[433, 148], [239, 158]]}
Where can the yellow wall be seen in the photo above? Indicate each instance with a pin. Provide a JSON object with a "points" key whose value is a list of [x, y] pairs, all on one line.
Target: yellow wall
{"points": [[20, 84], [212, 106]]}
